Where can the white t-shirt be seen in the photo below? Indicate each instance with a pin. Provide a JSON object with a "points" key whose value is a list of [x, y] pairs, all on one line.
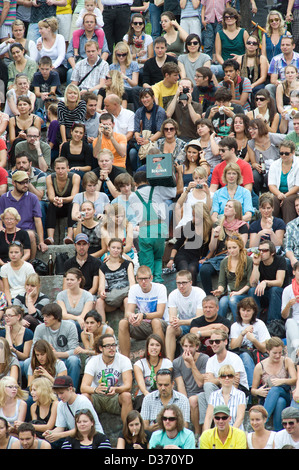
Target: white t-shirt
{"points": [[186, 306], [147, 41], [144, 366], [147, 302], [66, 413], [287, 295], [16, 278], [124, 122], [260, 332], [113, 372], [283, 438], [232, 359]]}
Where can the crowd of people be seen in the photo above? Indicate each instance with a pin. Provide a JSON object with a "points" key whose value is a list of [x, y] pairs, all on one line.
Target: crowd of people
{"points": [[165, 139]]}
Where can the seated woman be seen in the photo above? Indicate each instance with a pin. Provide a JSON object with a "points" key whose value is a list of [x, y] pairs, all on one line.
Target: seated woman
{"points": [[196, 191], [89, 193], [140, 43], [208, 142], [93, 328], [248, 336], [10, 233], [239, 130], [20, 64], [191, 158], [74, 300], [13, 406], [91, 227], [43, 411], [149, 117], [19, 125], [275, 29], [263, 144], [191, 248], [71, 109], [19, 338], [32, 302], [145, 369], [272, 381], [227, 395], [77, 152], [193, 58], [9, 366], [86, 436], [260, 438], [44, 363], [254, 65], [62, 186], [285, 88], [170, 142], [234, 276], [267, 227], [116, 225], [114, 84], [232, 221], [232, 178], [174, 34], [283, 181], [265, 110], [15, 272], [133, 435], [116, 278], [21, 87]]}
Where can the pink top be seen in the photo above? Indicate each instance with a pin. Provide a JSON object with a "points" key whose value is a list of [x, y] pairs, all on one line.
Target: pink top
{"points": [[214, 9]]}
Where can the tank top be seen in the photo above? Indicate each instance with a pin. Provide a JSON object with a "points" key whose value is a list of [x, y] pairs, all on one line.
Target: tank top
{"points": [[11, 419], [272, 50], [177, 46], [18, 129], [269, 444], [266, 377], [67, 190], [232, 46]]}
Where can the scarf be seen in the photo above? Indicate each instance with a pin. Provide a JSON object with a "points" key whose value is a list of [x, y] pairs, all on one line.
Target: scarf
{"points": [[234, 225], [295, 287]]}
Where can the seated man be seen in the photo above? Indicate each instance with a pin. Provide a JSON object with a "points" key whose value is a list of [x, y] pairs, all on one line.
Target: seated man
{"points": [[39, 151], [165, 89], [45, 81], [240, 87], [184, 304], [291, 242], [152, 69], [28, 206], [184, 110], [27, 439], [123, 118], [92, 118], [109, 140], [107, 379], [204, 91], [150, 299], [106, 172], [188, 371], [222, 112], [172, 433], [89, 74], [165, 395], [268, 279]]}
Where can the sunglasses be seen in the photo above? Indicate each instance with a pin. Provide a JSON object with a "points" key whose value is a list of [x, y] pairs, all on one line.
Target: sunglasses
{"points": [[288, 423], [216, 341], [264, 250], [285, 153], [121, 54], [227, 17], [223, 418], [169, 418], [193, 43], [260, 98], [252, 43], [169, 129], [138, 23], [107, 77], [274, 20], [229, 376], [222, 150]]}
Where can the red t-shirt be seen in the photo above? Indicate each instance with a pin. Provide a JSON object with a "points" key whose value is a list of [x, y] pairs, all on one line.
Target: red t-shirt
{"points": [[245, 168], [3, 172]]}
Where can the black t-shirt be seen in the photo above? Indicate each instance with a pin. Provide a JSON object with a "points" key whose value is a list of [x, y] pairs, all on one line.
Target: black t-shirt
{"points": [[45, 85], [152, 73], [89, 269], [200, 322], [21, 236], [116, 170], [268, 273]]}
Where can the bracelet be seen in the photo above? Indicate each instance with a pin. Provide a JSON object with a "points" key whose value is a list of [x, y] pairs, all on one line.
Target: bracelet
{"points": [[199, 334], [171, 258], [107, 179], [40, 156]]}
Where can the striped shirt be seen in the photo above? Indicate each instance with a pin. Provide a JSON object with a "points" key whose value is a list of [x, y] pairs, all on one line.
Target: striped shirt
{"points": [[189, 11], [152, 405], [37, 179], [101, 442], [291, 237], [67, 117], [83, 67], [236, 398], [11, 15]]}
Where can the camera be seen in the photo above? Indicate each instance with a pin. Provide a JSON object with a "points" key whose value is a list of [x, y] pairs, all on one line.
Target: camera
{"points": [[183, 95], [199, 186], [83, 214]]}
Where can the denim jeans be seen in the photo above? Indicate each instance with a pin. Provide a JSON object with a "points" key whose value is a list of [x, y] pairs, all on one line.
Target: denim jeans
{"points": [[270, 298], [73, 365], [249, 366], [208, 37], [33, 32], [155, 15], [226, 302], [278, 399]]}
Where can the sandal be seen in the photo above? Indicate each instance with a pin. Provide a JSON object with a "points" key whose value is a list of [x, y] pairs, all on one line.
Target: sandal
{"points": [[68, 241], [49, 241]]}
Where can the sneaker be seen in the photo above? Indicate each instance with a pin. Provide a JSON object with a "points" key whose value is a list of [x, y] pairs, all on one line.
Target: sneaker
{"points": [[49, 241], [68, 241]]}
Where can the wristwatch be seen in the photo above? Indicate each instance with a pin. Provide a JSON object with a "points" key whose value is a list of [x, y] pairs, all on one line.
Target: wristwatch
{"points": [[144, 316]]}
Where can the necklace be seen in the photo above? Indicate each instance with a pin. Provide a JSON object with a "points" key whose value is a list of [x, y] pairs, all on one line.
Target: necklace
{"points": [[6, 239], [13, 338]]}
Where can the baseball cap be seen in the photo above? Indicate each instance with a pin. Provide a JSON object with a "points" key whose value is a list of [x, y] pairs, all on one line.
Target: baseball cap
{"points": [[19, 175], [63, 381], [221, 409], [81, 237]]}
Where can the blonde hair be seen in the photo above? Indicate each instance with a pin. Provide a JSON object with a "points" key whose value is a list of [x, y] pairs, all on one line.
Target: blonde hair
{"points": [[13, 212], [122, 47], [227, 369], [268, 25], [51, 23], [117, 84], [200, 209], [44, 388], [71, 87], [232, 167], [200, 171], [4, 382], [32, 280]]}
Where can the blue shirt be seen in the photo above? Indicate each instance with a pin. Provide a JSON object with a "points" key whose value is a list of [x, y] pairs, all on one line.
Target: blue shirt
{"points": [[221, 197]]}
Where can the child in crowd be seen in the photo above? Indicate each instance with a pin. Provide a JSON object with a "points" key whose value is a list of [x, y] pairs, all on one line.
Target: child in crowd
{"points": [[45, 81], [90, 7], [53, 132]]}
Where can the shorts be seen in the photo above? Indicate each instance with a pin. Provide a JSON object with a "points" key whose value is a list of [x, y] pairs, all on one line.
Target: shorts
{"points": [[64, 25], [5, 31], [144, 330], [102, 404], [185, 329]]}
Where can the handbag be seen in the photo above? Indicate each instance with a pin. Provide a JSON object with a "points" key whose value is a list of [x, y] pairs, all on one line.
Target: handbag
{"points": [[116, 296], [277, 328], [59, 262], [144, 149], [40, 267]]}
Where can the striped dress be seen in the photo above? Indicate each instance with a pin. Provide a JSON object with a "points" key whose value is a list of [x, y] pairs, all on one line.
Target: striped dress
{"points": [[67, 117]]}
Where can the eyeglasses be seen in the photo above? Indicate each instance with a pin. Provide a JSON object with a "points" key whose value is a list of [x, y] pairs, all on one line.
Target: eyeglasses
{"points": [[121, 54], [229, 376], [264, 250], [169, 129], [32, 136], [260, 98], [109, 346], [143, 279], [182, 283], [285, 153], [252, 43], [222, 150], [223, 418], [216, 341], [169, 418], [288, 423], [138, 23], [193, 43]]}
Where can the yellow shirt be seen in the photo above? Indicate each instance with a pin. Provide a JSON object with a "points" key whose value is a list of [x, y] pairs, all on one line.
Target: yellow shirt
{"points": [[236, 439], [164, 94], [66, 10]]}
